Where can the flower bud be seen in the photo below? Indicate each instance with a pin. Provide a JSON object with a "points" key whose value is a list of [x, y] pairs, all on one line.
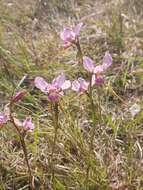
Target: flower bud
{"points": [[18, 96]]}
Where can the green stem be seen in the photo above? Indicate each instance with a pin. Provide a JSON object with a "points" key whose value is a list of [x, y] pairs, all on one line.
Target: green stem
{"points": [[92, 131], [79, 52], [27, 161], [99, 105], [56, 126], [23, 145]]}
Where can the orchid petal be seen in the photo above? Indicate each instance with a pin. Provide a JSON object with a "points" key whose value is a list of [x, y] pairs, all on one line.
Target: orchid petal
{"points": [[98, 69], [78, 28], [100, 80], [18, 96], [75, 85], [66, 85], [41, 84], [97, 79], [67, 35], [93, 80], [80, 85], [3, 118], [59, 81], [107, 60], [28, 125], [83, 84], [88, 64]]}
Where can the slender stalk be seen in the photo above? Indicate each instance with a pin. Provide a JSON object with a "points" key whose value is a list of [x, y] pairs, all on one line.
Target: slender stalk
{"points": [[79, 51], [99, 105], [92, 106], [23, 145], [56, 126]]}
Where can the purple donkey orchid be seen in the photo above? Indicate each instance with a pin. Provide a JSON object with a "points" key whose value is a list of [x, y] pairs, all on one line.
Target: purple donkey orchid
{"points": [[98, 70], [89, 65], [54, 90], [27, 124], [70, 35]]}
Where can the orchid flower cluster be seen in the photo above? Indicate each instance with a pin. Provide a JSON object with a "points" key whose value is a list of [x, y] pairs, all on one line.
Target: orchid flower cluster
{"points": [[96, 73], [22, 127], [56, 89], [6, 116]]}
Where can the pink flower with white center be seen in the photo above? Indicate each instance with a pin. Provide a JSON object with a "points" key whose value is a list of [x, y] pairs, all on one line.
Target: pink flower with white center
{"points": [[18, 96], [3, 118], [70, 35], [54, 90], [80, 85], [28, 125]]}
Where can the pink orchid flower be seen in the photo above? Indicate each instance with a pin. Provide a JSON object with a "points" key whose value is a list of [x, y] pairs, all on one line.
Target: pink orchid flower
{"points": [[80, 85], [54, 90], [88, 64], [3, 118], [18, 96], [69, 35], [27, 124], [97, 71]]}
